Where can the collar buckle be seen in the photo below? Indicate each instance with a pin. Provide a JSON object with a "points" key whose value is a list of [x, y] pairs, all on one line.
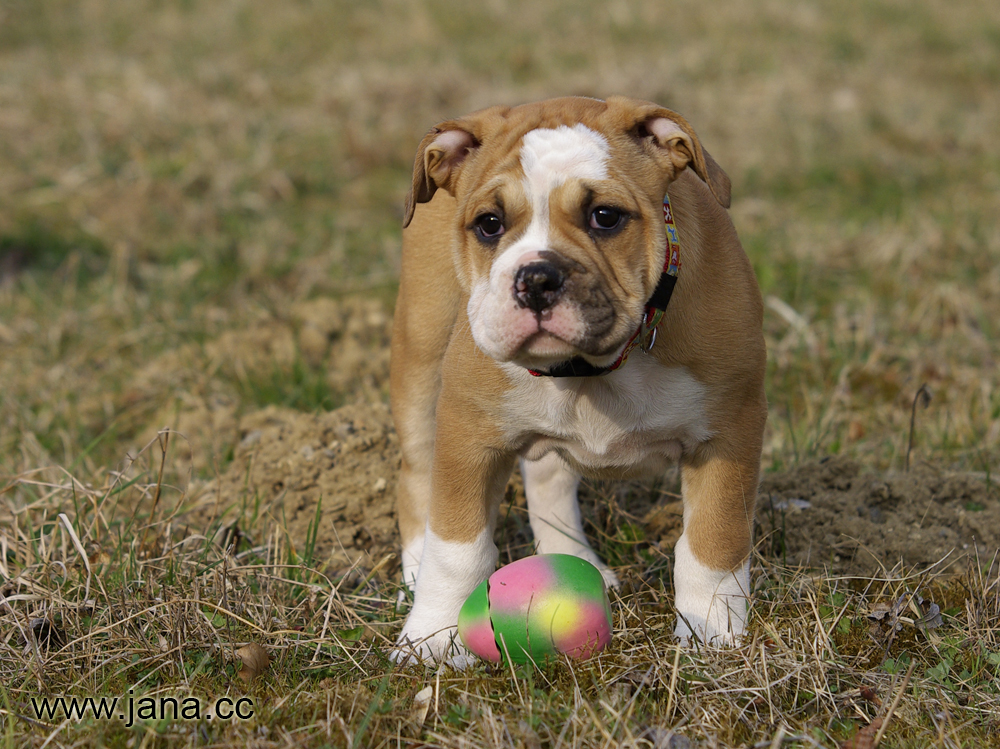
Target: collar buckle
{"points": [[648, 339]]}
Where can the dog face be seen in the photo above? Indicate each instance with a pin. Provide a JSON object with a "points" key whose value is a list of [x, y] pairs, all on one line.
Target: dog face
{"points": [[559, 237]]}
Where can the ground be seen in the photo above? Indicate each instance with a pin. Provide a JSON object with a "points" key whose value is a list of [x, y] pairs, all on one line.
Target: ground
{"points": [[200, 219], [333, 475], [836, 515]]}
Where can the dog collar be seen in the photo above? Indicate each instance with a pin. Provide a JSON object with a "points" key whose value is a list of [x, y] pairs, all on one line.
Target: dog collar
{"points": [[645, 334]]}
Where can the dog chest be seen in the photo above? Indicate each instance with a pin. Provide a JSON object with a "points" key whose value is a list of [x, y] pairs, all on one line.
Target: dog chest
{"points": [[633, 421]]}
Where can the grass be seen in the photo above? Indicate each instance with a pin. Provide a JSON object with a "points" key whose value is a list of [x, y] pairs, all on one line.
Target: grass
{"points": [[146, 608], [200, 216]]}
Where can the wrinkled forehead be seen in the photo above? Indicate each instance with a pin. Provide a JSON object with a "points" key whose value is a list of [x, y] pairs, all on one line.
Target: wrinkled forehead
{"points": [[551, 156]]}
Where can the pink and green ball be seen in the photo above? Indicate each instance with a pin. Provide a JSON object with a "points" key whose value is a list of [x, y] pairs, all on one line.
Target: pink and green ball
{"points": [[537, 608]]}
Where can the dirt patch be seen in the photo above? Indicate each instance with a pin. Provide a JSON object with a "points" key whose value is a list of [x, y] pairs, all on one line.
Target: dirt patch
{"points": [[289, 463], [831, 513], [323, 349], [835, 514]]}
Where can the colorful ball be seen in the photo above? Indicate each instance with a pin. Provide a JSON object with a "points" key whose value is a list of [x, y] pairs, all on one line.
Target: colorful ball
{"points": [[536, 608]]}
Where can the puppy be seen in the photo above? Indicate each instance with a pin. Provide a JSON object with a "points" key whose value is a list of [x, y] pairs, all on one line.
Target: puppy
{"points": [[574, 298]]}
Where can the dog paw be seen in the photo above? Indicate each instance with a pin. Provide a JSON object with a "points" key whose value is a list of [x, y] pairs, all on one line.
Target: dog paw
{"points": [[714, 633], [460, 662], [610, 578], [440, 647], [711, 604]]}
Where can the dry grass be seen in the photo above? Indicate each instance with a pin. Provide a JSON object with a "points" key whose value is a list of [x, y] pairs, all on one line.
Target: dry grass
{"points": [[177, 178], [138, 602], [199, 165]]}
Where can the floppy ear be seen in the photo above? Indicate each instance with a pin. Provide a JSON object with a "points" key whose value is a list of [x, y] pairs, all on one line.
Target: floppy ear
{"points": [[679, 144], [441, 154]]}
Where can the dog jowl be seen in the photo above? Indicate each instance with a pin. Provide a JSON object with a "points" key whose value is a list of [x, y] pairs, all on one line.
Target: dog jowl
{"points": [[574, 298]]}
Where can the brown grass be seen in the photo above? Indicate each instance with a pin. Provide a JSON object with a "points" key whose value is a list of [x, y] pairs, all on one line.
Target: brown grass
{"points": [[142, 603]]}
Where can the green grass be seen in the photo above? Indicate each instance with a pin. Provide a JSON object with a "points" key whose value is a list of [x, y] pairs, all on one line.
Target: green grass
{"points": [[303, 388]]}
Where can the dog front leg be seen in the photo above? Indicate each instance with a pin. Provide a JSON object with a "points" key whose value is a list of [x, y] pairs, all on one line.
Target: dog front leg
{"points": [[554, 511], [712, 556], [467, 482]]}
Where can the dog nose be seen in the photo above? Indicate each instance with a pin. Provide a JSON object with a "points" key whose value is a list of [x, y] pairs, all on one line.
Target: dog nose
{"points": [[538, 286]]}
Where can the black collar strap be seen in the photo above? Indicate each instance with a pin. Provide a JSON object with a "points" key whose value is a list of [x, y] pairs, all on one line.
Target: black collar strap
{"points": [[645, 334]]}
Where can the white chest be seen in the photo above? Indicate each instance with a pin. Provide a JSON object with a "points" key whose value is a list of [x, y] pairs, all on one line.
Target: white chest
{"points": [[633, 421]]}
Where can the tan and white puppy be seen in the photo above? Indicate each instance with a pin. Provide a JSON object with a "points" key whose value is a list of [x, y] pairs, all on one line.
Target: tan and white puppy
{"points": [[535, 236]]}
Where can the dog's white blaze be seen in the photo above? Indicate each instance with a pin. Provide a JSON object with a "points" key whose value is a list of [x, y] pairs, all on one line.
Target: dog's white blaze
{"points": [[449, 571], [711, 604], [549, 157]]}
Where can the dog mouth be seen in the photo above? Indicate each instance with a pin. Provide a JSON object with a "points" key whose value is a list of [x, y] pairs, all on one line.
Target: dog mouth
{"points": [[548, 312], [544, 345], [563, 331], [545, 348]]}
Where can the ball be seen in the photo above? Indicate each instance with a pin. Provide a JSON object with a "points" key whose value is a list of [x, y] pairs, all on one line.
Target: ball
{"points": [[538, 608]]}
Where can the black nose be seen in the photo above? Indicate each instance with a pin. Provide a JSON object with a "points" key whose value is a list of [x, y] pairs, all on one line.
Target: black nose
{"points": [[538, 286]]}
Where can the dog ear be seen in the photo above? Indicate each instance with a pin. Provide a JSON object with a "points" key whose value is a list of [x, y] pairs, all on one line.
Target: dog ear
{"points": [[681, 146], [677, 138], [443, 151], [439, 155]]}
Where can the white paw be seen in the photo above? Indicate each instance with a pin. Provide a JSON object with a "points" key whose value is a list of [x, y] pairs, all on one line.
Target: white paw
{"points": [[461, 662], [449, 571], [439, 647], [711, 604], [717, 634]]}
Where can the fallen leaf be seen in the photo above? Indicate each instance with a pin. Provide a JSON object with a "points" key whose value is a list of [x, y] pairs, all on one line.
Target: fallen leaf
{"points": [[887, 614], [865, 738], [929, 613], [868, 694], [99, 557], [255, 661], [421, 704]]}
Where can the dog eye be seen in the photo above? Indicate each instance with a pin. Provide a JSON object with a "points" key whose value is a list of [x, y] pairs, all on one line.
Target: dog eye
{"points": [[489, 226], [604, 217]]}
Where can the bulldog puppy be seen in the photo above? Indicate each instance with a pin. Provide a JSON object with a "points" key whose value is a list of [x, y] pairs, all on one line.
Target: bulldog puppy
{"points": [[535, 324]]}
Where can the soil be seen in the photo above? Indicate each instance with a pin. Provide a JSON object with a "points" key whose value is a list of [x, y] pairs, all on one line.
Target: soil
{"points": [[828, 514], [834, 514], [290, 468], [293, 469]]}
